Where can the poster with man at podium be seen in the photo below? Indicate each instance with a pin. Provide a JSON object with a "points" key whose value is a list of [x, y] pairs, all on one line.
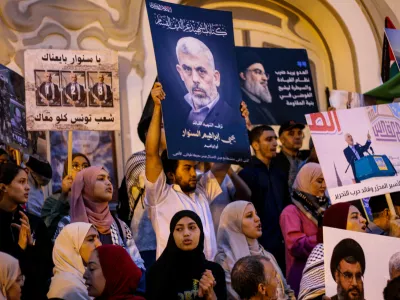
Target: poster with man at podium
{"points": [[358, 150]]}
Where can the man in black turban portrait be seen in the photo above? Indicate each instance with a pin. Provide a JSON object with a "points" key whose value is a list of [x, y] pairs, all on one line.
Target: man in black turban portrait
{"points": [[347, 268], [255, 91]]}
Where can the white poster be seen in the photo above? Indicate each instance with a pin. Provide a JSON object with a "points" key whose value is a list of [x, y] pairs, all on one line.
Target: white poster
{"points": [[358, 150], [355, 265], [71, 90]]}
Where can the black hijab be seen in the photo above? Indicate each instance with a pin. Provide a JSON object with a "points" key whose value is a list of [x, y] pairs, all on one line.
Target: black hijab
{"points": [[176, 269]]}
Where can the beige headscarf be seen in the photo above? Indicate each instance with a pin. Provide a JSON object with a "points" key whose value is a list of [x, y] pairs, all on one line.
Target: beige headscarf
{"points": [[233, 244], [67, 282], [9, 268], [308, 173]]}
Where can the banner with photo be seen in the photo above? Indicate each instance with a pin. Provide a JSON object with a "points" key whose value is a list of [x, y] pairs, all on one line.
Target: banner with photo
{"points": [[98, 146], [355, 267], [276, 84], [12, 109], [196, 65], [358, 150], [71, 90]]}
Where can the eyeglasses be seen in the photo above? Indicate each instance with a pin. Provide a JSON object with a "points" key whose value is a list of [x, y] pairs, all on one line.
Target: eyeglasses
{"points": [[349, 276], [78, 167], [259, 72]]}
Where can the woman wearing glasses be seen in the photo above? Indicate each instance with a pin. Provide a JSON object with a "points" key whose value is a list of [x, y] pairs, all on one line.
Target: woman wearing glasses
{"points": [[56, 206], [11, 278]]}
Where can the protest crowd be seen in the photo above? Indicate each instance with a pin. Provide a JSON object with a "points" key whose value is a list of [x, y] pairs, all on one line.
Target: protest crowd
{"points": [[252, 224], [183, 229]]}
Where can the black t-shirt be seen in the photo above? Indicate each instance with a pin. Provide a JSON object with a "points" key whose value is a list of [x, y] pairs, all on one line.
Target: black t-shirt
{"points": [[189, 288]]}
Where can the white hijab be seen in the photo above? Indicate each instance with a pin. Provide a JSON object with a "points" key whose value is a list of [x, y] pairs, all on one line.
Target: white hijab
{"points": [[67, 282], [9, 268], [233, 245]]}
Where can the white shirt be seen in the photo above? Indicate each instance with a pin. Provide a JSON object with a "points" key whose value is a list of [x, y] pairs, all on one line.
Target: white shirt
{"points": [[353, 148], [165, 200]]}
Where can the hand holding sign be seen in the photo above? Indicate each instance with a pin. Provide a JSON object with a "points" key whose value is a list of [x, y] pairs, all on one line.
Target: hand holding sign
{"points": [[157, 93]]}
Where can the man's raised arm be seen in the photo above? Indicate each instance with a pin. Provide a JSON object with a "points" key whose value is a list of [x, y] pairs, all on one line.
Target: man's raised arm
{"points": [[153, 161]]}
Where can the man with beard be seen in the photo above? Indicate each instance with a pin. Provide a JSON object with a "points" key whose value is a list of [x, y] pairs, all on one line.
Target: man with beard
{"points": [[347, 269], [74, 93], [172, 185], [48, 92], [196, 68], [255, 91]]}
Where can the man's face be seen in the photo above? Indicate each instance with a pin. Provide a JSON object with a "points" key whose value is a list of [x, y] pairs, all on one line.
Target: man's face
{"points": [[350, 285], [47, 77], [266, 145], [101, 78], [292, 139], [185, 175], [200, 78], [74, 78], [271, 279], [349, 140], [255, 81]]}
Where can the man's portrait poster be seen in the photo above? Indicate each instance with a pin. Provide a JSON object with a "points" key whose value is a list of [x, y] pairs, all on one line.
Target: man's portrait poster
{"points": [[355, 268], [60, 93], [358, 150], [276, 84], [196, 65]]}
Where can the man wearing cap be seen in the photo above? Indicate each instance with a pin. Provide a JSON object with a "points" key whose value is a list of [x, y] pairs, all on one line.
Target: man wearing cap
{"points": [[384, 223], [40, 174], [354, 152], [347, 269], [255, 91], [290, 158]]}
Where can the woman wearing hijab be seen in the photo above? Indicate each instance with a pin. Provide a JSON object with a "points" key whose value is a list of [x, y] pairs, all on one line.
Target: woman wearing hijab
{"points": [[182, 271], [90, 194], [239, 229], [11, 279], [56, 206], [299, 221], [104, 283], [342, 216], [71, 253]]}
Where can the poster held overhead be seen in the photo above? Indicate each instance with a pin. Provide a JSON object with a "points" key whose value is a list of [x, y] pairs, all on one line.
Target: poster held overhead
{"points": [[358, 150], [196, 64], [276, 84], [72, 90]]}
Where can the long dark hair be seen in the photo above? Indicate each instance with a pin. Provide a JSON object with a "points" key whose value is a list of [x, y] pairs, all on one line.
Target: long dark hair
{"points": [[8, 172]]}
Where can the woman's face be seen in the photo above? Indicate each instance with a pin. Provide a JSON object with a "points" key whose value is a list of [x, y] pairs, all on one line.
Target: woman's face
{"points": [[355, 220], [186, 234], [18, 189], [251, 225], [94, 278], [14, 292], [78, 164], [318, 187], [90, 243], [103, 189]]}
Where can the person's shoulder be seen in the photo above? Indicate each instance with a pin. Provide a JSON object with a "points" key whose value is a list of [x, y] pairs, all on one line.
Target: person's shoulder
{"points": [[215, 268], [290, 209]]}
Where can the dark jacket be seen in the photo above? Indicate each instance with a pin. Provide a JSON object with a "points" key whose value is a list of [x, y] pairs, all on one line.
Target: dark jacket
{"points": [[106, 96], [283, 163], [270, 195], [351, 156], [35, 261], [54, 208], [259, 112], [79, 101], [49, 96]]}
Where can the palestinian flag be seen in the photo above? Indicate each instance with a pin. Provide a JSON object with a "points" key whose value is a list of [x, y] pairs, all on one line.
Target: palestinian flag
{"points": [[389, 66]]}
